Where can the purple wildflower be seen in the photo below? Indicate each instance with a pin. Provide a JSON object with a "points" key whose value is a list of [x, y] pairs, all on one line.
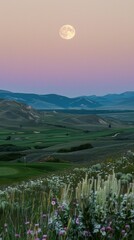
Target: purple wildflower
{"points": [[109, 228], [127, 226], [62, 232], [123, 232], [53, 202], [77, 221], [103, 229], [17, 235]]}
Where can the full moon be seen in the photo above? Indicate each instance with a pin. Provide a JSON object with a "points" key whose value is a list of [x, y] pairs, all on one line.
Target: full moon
{"points": [[67, 32]]}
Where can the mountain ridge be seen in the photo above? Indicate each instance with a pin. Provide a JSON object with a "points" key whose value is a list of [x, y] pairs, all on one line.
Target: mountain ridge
{"points": [[123, 100]]}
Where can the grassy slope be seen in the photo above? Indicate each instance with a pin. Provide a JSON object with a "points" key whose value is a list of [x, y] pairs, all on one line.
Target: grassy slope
{"points": [[11, 173]]}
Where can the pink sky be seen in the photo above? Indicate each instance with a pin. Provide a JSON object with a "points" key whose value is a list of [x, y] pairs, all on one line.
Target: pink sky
{"points": [[99, 60]]}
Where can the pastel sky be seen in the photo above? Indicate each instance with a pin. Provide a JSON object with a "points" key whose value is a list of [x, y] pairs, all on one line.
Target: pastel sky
{"points": [[34, 58]]}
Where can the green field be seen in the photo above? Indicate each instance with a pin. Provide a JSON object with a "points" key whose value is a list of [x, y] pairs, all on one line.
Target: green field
{"points": [[8, 171], [28, 150]]}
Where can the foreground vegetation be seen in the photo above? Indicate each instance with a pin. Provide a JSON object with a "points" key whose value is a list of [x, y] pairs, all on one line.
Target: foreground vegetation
{"points": [[88, 203]]}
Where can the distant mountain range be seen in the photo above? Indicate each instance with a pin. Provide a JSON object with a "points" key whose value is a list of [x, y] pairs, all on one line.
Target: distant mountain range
{"points": [[123, 101]]}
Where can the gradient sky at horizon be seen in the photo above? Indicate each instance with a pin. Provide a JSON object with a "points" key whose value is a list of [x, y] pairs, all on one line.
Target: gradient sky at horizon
{"points": [[99, 60]]}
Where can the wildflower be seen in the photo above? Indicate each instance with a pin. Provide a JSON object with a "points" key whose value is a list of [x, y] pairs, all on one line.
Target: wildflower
{"points": [[29, 232], [127, 226], [17, 235], [53, 202], [44, 236], [39, 230], [77, 221], [109, 228], [62, 232], [37, 225], [123, 232], [103, 229], [26, 223]]}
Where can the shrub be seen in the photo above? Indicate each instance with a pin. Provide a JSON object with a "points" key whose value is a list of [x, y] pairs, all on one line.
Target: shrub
{"points": [[76, 148], [40, 146], [10, 156], [12, 148]]}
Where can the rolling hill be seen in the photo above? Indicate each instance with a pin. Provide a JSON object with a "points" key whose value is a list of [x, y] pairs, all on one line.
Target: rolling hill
{"points": [[17, 113], [39, 135], [11, 110]]}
